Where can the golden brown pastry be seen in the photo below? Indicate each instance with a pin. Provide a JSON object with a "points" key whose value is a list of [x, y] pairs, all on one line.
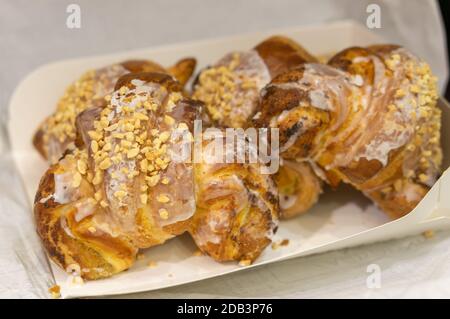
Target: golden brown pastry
{"points": [[298, 188], [122, 184], [237, 209], [124, 187], [368, 118], [230, 88], [57, 132], [78, 234], [231, 91]]}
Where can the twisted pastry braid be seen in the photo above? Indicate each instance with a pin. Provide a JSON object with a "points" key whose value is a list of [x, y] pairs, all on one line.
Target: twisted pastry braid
{"points": [[120, 190], [368, 118], [57, 132], [237, 209], [230, 90], [78, 234]]}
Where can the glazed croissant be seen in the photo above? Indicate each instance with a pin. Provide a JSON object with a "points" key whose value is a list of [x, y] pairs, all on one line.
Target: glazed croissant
{"points": [[231, 89], [121, 190], [237, 208], [367, 118], [58, 131]]}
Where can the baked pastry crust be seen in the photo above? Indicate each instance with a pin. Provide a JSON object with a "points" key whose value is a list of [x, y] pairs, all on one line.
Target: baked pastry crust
{"points": [[298, 188], [123, 188], [89, 246], [237, 209], [368, 118], [231, 90], [58, 131]]}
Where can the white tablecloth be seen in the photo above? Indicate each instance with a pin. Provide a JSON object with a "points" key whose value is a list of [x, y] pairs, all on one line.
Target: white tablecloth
{"points": [[33, 33]]}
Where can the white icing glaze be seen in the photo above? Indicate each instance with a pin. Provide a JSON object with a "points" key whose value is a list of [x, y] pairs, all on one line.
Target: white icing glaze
{"points": [[64, 191], [65, 227], [287, 201], [84, 208], [180, 190], [45, 199], [250, 67], [319, 100], [105, 79], [379, 148], [411, 193]]}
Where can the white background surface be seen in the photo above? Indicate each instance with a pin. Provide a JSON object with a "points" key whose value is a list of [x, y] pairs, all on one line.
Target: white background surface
{"points": [[33, 33]]}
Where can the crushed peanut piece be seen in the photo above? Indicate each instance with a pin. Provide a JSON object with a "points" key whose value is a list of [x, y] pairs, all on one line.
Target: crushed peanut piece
{"points": [[197, 253], [143, 198], [76, 182], [81, 166], [120, 194], [55, 291], [428, 234], [162, 198], [245, 262], [105, 164], [94, 146], [163, 213]]}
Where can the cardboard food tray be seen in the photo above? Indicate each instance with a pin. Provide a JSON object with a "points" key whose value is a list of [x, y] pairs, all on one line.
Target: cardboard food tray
{"points": [[342, 218]]}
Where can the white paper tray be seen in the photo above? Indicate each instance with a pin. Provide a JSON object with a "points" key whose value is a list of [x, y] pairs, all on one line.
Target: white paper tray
{"points": [[342, 218]]}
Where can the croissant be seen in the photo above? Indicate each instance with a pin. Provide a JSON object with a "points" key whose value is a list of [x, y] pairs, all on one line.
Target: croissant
{"points": [[230, 90], [120, 189], [57, 132], [367, 118], [237, 209]]}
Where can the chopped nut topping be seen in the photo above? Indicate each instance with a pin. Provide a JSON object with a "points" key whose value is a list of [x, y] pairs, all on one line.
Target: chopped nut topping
{"points": [[76, 182], [98, 196], [164, 136], [120, 194], [104, 204], [197, 253], [94, 146], [169, 120], [245, 262], [141, 116], [163, 198], [55, 291], [92, 85], [230, 94], [398, 185], [152, 180], [94, 135], [124, 146], [143, 198], [105, 164], [428, 234], [163, 213], [81, 166], [133, 153], [123, 90], [423, 178]]}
